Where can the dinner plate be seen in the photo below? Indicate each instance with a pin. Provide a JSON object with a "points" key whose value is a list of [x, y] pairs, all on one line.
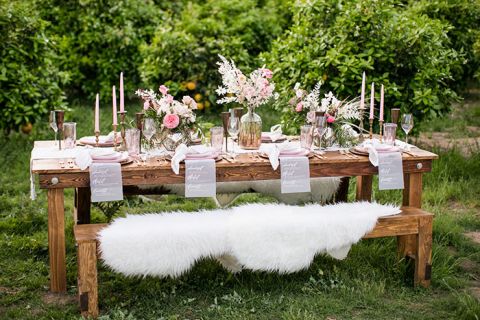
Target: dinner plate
{"points": [[90, 141], [268, 140], [218, 158], [307, 154]]}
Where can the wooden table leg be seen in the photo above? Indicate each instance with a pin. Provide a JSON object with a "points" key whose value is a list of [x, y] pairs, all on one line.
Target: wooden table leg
{"points": [[364, 188], [423, 258], [56, 240], [412, 196], [81, 212]]}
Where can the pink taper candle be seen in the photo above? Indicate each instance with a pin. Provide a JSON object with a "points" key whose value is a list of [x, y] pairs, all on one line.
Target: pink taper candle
{"points": [[122, 105], [97, 113], [362, 97], [372, 101], [381, 104], [114, 97]]}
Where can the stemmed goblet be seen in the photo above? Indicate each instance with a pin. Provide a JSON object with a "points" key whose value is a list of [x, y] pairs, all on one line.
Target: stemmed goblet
{"points": [[320, 129], [407, 124], [149, 129], [53, 124], [233, 130]]}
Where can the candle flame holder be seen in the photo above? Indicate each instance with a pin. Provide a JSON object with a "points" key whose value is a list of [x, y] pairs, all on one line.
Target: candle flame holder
{"points": [[123, 144]]}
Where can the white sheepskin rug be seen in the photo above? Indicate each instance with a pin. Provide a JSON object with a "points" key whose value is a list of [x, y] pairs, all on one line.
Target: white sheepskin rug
{"points": [[269, 237]]}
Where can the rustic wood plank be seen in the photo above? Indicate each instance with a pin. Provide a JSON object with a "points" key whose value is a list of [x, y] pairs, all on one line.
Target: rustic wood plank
{"points": [[87, 278], [87, 232], [56, 240], [364, 188], [412, 197], [423, 259], [81, 211]]}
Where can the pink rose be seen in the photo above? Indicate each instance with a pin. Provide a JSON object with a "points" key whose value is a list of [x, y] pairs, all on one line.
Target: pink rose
{"points": [[330, 119], [169, 99], [187, 100], [163, 89], [146, 105], [299, 107], [171, 121], [267, 73]]}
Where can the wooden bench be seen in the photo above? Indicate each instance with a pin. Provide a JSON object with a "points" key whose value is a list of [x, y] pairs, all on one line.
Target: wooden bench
{"points": [[411, 221]]}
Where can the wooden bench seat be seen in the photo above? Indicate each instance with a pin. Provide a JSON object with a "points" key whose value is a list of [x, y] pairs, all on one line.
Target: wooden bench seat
{"points": [[410, 222]]}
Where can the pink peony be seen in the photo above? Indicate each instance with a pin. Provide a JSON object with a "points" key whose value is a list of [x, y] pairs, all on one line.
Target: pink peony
{"points": [[330, 119], [146, 105], [267, 73], [187, 100], [163, 89], [299, 107], [169, 99], [171, 121]]}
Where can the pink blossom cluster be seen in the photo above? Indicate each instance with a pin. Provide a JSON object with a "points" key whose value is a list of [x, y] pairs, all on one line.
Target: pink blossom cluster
{"points": [[254, 90], [172, 112]]}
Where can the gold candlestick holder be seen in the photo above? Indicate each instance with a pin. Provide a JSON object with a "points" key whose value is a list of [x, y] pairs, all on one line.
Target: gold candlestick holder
{"points": [[381, 131], [361, 124], [114, 136], [139, 122], [371, 128], [123, 144], [97, 138], [225, 120]]}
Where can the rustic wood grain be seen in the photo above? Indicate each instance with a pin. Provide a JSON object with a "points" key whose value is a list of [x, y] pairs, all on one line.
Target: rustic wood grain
{"points": [[87, 278], [56, 240], [423, 259], [81, 211], [364, 188]]}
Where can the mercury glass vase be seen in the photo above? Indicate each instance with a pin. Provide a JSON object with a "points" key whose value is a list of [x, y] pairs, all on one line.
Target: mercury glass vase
{"points": [[250, 136]]}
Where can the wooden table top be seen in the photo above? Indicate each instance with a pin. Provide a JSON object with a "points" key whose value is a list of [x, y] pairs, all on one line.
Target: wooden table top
{"points": [[245, 167]]}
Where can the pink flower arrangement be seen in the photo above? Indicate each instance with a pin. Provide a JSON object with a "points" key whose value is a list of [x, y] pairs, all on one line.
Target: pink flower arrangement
{"points": [[299, 107], [267, 73], [171, 121], [163, 90], [330, 119], [146, 105]]}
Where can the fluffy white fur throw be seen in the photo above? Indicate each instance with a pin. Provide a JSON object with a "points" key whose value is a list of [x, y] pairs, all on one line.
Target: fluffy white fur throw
{"points": [[268, 237]]}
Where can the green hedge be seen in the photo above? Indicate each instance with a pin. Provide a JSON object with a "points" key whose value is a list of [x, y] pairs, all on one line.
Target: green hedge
{"points": [[409, 53], [30, 79]]}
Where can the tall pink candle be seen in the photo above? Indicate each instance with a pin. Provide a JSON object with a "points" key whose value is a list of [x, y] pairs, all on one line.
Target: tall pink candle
{"points": [[97, 113], [381, 104], [114, 97], [372, 101], [122, 105], [362, 96]]}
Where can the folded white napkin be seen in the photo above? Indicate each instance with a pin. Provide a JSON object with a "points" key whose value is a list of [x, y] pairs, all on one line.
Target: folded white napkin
{"points": [[374, 146], [80, 155], [274, 134], [182, 151], [273, 151]]}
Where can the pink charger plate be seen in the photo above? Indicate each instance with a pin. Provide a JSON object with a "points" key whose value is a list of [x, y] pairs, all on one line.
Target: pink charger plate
{"points": [[122, 157], [198, 156], [295, 153]]}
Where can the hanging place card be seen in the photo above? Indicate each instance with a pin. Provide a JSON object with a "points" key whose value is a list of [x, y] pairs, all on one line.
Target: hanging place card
{"points": [[295, 174], [106, 182], [390, 171], [200, 178]]}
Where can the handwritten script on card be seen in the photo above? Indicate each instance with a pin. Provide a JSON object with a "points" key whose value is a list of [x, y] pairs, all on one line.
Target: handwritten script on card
{"points": [[390, 171], [106, 182], [200, 179], [295, 174]]}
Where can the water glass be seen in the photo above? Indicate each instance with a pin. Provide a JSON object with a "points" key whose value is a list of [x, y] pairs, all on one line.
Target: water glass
{"points": [[407, 124], [306, 136], [69, 135], [216, 138], [390, 133], [132, 139]]}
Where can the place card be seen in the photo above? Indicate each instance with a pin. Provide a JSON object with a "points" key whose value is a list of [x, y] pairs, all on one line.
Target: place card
{"points": [[200, 178], [390, 171], [295, 174], [106, 182]]}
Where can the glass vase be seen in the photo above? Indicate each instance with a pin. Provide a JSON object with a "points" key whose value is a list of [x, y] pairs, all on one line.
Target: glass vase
{"points": [[250, 136]]}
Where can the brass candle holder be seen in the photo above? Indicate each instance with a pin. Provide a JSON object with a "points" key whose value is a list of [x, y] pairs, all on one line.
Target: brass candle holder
{"points": [[381, 130], [371, 128], [114, 136], [361, 124], [59, 118], [225, 119], [97, 138], [123, 144], [139, 121]]}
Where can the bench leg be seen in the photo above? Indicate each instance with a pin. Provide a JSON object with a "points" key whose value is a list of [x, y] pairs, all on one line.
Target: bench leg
{"points": [[423, 257], [87, 278]]}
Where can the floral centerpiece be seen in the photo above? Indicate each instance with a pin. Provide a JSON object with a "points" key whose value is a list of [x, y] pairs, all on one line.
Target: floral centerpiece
{"points": [[252, 92], [340, 114], [175, 119]]}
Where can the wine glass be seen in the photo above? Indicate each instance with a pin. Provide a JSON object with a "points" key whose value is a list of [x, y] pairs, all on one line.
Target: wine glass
{"points": [[233, 129], [53, 124], [320, 128], [407, 124], [149, 129]]}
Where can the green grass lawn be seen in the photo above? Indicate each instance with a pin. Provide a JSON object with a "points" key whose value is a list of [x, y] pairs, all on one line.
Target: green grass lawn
{"points": [[369, 284]]}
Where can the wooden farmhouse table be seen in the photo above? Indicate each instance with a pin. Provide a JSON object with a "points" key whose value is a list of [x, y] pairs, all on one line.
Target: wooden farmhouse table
{"points": [[55, 179]]}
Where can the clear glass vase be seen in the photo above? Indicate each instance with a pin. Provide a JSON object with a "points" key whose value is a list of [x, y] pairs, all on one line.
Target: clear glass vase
{"points": [[250, 136]]}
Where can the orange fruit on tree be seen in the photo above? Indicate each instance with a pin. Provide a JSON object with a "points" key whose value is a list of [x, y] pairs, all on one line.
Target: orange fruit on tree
{"points": [[191, 85], [27, 128], [200, 106], [198, 97]]}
